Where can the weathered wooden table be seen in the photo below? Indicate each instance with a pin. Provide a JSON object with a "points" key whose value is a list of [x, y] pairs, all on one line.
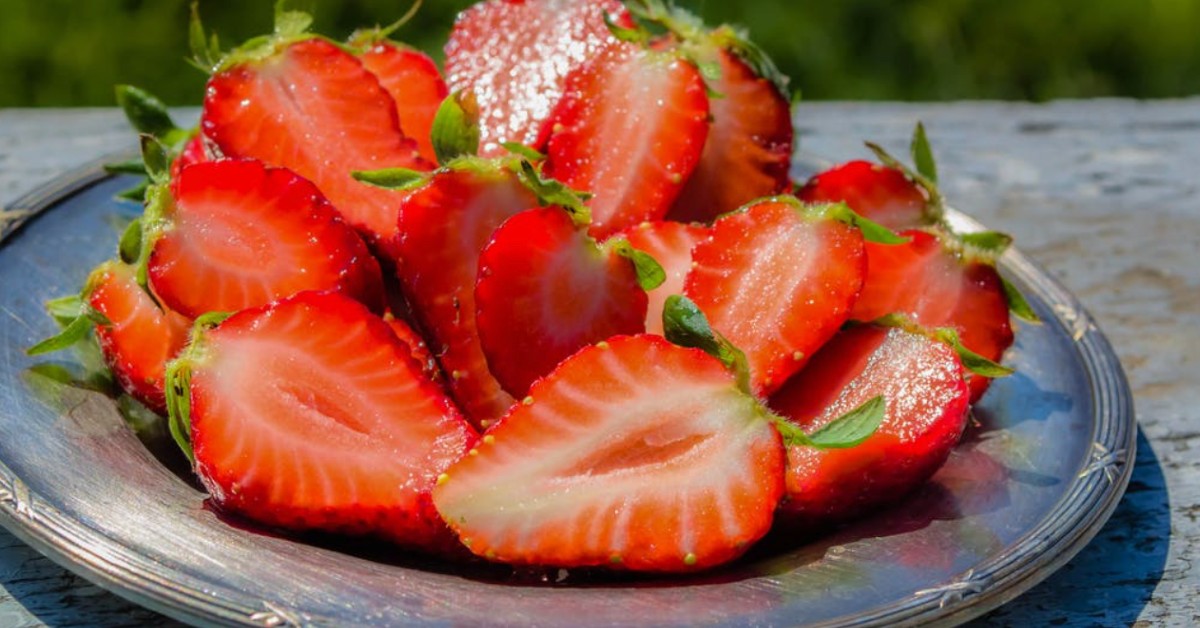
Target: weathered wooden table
{"points": [[1105, 194]]}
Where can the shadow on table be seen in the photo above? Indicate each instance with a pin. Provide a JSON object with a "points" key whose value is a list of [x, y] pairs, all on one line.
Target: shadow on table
{"points": [[1113, 578]]}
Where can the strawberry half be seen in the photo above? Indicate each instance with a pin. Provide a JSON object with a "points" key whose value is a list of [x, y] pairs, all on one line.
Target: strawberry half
{"points": [[233, 234], [670, 243], [630, 129], [778, 280], [749, 149], [546, 290], [444, 224], [940, 284], [921, 380], [514, 56], [413, 81], [305, 104], [633, 454], [309, 414], [880, 193]]}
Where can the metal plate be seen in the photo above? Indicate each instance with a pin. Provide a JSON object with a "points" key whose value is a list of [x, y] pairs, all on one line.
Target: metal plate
{"points": [[1030, 485]]}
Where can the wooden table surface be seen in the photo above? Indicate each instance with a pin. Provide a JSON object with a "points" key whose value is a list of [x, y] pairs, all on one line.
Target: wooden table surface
{"points": [[1104, 194]]}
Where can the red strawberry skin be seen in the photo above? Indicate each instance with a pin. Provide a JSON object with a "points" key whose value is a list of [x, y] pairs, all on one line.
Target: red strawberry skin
{"points": [[938, 288], [778, 281], [749, 149], [633, 454], [546, 290], [630, 129], [309, 414], [314, 108], [927, 402], [413, 81], [195, 151], [514, 56], [444, 225], [240, 235], [670, 244], [877, 192], [141, 337]]}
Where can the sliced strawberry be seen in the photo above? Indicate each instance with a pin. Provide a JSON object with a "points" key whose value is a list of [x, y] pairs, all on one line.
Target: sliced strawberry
{"points": [[880, 193], [778, 280], [514, 56], [546, 290], [309, 414], [313, 108], [921, 380], [633, 454], [417, 348], [444, 225], [671, 244], [749, 149], [939, 286], [413, 81], [195, 151], [139, 338], [233, 234], [630, 129]]}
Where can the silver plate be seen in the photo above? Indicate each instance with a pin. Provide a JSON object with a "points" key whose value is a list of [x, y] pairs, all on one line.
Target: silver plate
{"points": [[1031, 484]]}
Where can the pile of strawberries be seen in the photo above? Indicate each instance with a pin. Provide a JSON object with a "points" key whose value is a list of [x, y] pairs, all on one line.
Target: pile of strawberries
{"points": [[566, 311]]}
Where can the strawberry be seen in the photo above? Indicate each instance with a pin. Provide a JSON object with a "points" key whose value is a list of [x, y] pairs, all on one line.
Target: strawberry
{"points": [[136, 337], [926, 399], [514, 56], [891, 194], [940, 283], [630, 129], [234, 234], [413, 81], [749, 149], [546, 290], [195, 151], [633, 454], [301, 102], [670, 243], [778, 279], [443, 225], [309, 414]]}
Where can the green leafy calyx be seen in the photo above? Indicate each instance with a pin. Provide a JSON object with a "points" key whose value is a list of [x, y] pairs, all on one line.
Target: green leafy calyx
{"points": [[456, 127], [650, 273], [848, 430], [685, 325]]}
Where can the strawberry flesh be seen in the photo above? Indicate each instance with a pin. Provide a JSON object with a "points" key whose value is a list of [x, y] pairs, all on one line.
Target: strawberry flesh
{"points": [[877, 192], [141, 337], [413, 81], [237, 234], [443, 227], [309, 414], [938, 288], [630, 129], [749, 149], [777, 280], [922, 382], [546, 290], [314, 108], [633, 454], [514, 57], [670, 244]]}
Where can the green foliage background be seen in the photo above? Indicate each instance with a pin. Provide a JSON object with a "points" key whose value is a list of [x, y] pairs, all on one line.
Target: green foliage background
{"points": [[71, 52]]}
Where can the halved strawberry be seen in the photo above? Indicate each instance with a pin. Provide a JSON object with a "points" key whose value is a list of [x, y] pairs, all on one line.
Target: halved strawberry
{"points": [[303, 103], [309, 414], [630, 129], [444, 224], [233, 234], [778, 279], [749, 149], [671, 244], [940, 284], [514, 56], [413, 81], [546, 290], [921, 380], [633, 454], [880, 193]]}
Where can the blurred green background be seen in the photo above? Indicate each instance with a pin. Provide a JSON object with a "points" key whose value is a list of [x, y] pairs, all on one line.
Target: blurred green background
{"points": [[71, 52]]}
